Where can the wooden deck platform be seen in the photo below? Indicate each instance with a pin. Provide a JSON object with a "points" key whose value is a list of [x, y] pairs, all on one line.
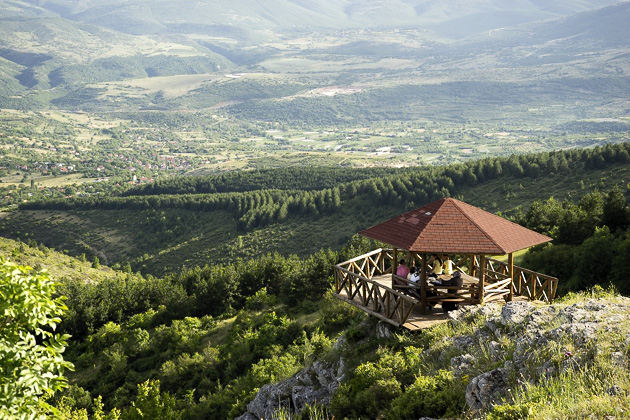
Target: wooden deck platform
{"points": [[366, 282], [415, 321]]}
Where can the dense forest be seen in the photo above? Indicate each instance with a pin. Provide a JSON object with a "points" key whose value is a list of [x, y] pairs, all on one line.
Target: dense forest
{"points": [[259, 198]]}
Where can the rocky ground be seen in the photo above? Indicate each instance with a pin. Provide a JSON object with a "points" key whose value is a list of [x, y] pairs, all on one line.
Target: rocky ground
{"points": [[518, 343]]}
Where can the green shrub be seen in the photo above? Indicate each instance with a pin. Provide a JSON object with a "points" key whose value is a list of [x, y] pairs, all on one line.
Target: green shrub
{"points": [[260, 300], [511, 412], [31, 361], [150, 403], [375, 385], [435, 396], [336, 314]]}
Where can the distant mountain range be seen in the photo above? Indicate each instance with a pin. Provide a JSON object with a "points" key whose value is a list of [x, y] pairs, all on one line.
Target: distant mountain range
{"points": [[49, 48], [218, 18]]}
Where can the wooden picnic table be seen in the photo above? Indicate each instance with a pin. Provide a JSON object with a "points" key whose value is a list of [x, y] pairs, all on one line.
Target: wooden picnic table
{"points": [[467, 293]]}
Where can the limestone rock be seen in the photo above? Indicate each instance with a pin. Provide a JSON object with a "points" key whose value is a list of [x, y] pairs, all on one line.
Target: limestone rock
{"points": [[463, 342], [486, 389], [496, 351], [383, 330], [515, 312], [462, 364], [316, 383], [271, 397]]}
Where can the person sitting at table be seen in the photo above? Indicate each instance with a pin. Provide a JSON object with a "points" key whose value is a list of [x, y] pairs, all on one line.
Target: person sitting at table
{"points": [[456, 280], [414, 278], [447, 265], [415, 275], [402, 270], [435, 266]]}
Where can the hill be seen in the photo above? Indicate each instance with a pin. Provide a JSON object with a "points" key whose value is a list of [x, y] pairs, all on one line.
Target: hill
{"points": [[262, 356], [288, 16], [59, 265], [185, 222], [438, 61]]}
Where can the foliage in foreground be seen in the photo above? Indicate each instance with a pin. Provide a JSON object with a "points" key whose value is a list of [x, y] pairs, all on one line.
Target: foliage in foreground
{"points": [[31, 362]]}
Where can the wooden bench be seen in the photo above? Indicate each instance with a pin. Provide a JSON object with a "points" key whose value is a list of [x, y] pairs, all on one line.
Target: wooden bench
{"points": [[406, 286], [440, 293]]}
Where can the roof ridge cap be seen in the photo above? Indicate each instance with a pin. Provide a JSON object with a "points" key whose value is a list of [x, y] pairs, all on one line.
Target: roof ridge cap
{"points": [[488, 236]]}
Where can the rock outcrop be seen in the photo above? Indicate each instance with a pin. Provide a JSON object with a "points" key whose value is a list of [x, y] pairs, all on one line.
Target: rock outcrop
{"points": [[315, 384], [516, 342], [544, 339]]}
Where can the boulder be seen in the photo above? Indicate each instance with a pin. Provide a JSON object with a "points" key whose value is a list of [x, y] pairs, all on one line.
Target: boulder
{"points": [[383, 330], [486, 389], [271, 397], [515, 312], [316, 383], [462, 364], [463, 342]]}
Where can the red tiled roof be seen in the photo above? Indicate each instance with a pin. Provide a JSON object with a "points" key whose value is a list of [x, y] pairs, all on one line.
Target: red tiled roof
{"points": [[450, 226]]}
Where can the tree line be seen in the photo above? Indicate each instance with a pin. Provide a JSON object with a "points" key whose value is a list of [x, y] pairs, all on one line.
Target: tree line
{"points": [[591, 240], [406, 188], [303, 178]]}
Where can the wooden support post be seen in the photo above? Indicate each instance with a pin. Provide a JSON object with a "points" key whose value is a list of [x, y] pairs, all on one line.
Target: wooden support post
{"points": [[423, 285], [471, 265], [482, 275], [394, 264], [510, 268]]}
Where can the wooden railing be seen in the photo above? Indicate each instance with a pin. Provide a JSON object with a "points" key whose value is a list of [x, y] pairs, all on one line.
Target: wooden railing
{"points": [[527, 283], [371, 264], [533, 285], [353, 284]]}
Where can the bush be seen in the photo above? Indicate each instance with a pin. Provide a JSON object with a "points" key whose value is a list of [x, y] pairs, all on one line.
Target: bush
{"points": [[151, 404], [430, 396], [31, 361]]}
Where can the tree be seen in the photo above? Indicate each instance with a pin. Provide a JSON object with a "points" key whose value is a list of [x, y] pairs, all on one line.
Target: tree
{"points": [[31, 362], [616, 214]]}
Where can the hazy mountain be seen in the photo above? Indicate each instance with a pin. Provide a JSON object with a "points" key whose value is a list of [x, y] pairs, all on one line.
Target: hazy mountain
{"points": [[49, 47], [606, 27], [256, 20]]}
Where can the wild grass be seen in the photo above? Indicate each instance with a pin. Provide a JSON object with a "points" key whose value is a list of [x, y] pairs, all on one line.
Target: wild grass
{"points": [[586, 392]]}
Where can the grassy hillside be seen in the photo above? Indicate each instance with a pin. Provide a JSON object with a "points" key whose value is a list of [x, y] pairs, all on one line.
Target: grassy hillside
{"points": [[59, 265], [197, 359], [163, 232]]}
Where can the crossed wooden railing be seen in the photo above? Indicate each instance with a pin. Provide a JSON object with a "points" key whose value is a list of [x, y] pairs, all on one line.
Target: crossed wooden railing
{"points": [[354, 284], [527, 283]]}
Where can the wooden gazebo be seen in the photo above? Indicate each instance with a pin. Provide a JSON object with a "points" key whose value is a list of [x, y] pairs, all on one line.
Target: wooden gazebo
{"points": [[447, 226]]}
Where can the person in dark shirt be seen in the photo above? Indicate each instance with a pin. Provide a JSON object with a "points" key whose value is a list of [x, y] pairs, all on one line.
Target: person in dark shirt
{"points": [[456, 280]]}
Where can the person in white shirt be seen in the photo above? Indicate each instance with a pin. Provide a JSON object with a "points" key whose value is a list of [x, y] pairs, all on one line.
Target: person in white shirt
{"points": [[415, 275]]}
